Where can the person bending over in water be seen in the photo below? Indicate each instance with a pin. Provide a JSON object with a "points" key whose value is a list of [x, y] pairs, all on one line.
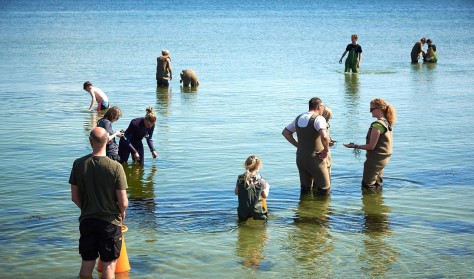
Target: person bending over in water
{"points": [[138, 129], [378, 143], [97, 95], [252, 190], [417, 51], [189, 77]]}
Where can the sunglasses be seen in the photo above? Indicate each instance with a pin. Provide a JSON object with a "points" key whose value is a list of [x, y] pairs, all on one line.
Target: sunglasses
{"points": [[372, 109]]}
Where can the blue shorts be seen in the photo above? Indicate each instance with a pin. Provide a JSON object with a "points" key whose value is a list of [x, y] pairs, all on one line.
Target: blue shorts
{"points": [[99, 237], [102, 105]]}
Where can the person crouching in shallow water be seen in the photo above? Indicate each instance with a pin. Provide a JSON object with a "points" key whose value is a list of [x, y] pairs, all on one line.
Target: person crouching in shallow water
{"points": [[251, 190], [189, 77], [111, 115], [378, 143], [131, 142]]}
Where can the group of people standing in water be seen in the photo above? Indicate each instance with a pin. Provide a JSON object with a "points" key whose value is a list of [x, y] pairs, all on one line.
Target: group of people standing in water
{"points": [[99, 184], [313, 156], [429, 56]]}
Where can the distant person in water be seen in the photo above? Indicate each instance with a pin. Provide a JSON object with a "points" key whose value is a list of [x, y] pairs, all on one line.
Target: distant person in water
{"points": [[252, 190], [431, 56], [355, 55], [131, 142], [97, 95], [189, 77], [163, 69], [417, 51]]}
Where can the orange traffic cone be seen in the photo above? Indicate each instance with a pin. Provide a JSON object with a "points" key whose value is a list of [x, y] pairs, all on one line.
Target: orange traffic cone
{"points": [[122, 264]]}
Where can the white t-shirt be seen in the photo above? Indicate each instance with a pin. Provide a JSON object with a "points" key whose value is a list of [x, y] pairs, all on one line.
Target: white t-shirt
{"points": [[319, 122]]}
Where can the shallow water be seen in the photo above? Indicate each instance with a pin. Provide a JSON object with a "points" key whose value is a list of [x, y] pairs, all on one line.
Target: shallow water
{"points": [[258, 63]]}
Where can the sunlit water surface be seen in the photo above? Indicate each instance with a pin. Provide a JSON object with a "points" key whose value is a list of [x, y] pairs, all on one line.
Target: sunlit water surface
{"points": [[259, 62]]}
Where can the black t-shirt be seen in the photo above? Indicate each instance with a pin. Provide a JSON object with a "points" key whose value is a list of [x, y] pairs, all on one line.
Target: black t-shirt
{"points": [[356, 48]]}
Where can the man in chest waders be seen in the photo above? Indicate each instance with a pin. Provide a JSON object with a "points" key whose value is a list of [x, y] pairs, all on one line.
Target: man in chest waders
{"points": [[312, 148], [355, 55]]}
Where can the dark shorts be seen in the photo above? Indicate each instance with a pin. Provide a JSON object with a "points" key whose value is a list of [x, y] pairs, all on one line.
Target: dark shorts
{"points": [[162, 82], [99, 237]]}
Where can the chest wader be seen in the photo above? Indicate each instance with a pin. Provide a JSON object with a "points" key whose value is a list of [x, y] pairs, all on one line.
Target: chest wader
{"points": [[313, 171], [250, 199], [377, 159], [351, 61]]}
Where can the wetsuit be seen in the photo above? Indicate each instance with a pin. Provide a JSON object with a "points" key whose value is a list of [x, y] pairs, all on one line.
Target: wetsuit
{"points": [[131, 142]]}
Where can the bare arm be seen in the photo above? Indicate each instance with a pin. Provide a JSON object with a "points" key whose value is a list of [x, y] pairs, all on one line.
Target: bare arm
{"points": [[266, 191], [374, 138], [289, 137], [93, 100], [169, 68], [325, 141], [360, 60], [122, 202], [76, 195], [344, 54]]}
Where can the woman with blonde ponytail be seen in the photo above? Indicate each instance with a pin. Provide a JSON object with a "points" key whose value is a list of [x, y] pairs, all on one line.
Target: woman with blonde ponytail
{"points": [[252, 190], [378, 143], [131, 142]]}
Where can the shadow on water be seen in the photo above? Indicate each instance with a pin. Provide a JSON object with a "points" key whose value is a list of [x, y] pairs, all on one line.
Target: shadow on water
{"points": [[378, 255], [251, 240], [311, 239]]}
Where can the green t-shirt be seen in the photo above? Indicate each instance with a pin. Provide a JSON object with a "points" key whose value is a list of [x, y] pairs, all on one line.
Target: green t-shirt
{"points": [[379, 127], [98, 178]]}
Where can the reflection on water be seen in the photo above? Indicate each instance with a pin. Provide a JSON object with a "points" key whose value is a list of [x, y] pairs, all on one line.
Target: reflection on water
{"points": [[252, 238], [91, 120], [188, 89], [311, 239], [163, 100], [352, 86], [378, 254], [141, 194]]}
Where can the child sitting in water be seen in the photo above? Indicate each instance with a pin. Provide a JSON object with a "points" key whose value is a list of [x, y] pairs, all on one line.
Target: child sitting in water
{"points": [[252, 190]]}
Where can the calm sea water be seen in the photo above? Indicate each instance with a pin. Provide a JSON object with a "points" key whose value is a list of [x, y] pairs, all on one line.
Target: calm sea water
{"points": [[259, 62]]}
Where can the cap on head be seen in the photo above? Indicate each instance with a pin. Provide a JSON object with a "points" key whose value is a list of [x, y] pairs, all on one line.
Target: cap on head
{"points": [[87, 84]]}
